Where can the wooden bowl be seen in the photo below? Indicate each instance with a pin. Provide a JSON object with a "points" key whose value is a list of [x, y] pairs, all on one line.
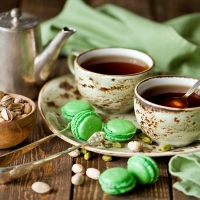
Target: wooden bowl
{"points": [[17, 130]]}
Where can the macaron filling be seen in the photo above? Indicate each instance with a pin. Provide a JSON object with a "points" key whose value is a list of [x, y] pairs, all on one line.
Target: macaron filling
{"points": [[70, 109], [119, 130], [144, 169], [85, 123], [116, 180]]}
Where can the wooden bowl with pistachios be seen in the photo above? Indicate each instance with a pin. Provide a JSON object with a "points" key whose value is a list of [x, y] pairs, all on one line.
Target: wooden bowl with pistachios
{"points": [[18, 116]]}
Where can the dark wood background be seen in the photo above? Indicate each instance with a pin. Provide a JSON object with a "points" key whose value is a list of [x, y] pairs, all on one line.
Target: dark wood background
{"points": [[158, 10], [58, 172]]}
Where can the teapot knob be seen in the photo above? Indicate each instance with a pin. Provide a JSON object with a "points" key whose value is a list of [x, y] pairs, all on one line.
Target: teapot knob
{"points": [[15, 14]]}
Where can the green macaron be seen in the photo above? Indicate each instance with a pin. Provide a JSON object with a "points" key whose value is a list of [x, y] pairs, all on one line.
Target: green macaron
{"points": [[70, 109], [119, 130], [143, 168], [85, 123], [116, 180]]}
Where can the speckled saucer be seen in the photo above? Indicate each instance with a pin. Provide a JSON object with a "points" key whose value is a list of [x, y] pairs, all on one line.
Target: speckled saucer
{"points": [[61, 90]]}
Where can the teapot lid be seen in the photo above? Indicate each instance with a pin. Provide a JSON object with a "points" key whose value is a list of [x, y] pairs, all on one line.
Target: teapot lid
{"points": [[17, 20]]}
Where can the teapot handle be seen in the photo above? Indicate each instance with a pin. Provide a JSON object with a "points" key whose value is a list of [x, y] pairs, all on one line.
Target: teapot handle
{"points": [[70, 60]]}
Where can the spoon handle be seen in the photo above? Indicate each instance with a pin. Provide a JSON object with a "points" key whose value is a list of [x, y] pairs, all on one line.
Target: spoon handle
{"points": [[8, 158], [7, 174], [192, 89]]}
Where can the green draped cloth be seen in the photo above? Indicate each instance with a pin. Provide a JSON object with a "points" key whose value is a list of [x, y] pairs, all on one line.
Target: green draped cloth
{"points": [[174, 44], [187, 168]]}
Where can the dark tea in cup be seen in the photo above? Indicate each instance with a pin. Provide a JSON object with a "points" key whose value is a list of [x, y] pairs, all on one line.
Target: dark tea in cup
{"points": [[115, 65], [159, 93]]}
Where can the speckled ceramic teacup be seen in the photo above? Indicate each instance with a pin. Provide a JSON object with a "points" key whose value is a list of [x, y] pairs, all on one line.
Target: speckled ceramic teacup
{"points": [[109, 92], [177, 127]]}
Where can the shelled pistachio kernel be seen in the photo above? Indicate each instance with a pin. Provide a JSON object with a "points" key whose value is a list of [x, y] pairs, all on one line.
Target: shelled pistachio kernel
{"points": [[117, 145], [107, 144], [88, 155], [166, 147], [83, 151], [106, 158], [147, 140], [141, 135]]}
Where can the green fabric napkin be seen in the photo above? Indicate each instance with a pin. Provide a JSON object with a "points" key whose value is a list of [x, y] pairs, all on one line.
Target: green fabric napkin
{"points": [[187, 168], [174, 44]]}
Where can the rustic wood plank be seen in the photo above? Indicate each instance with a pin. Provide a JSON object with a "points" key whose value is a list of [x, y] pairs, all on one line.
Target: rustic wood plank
{"points": [[91, 189], [43, 9], [6, 5]]}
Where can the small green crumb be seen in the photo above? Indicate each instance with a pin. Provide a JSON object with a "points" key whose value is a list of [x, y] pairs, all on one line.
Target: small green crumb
{"points": [[141, 135], [83, 151], [166, 147], [88, 155], [147, 140], [106, 158], [117, 145]]}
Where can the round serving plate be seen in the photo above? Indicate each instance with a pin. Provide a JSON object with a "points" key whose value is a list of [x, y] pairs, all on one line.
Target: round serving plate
{"points": [[57, 92]]}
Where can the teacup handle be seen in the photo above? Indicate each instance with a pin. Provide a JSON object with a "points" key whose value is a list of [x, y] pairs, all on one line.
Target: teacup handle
{"points": [[70, 60]]}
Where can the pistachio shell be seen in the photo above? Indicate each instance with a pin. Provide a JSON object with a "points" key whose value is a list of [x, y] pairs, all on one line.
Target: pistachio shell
{"points": [[77, 179], [7, 114], [78, 168], [93, 173], [1, 108], [74, 153], [27, 108], [40, 187], [18, 100], [135, 146], [17, 106]]}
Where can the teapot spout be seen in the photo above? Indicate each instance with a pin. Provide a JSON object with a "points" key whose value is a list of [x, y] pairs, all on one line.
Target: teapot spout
{"points": [[45, 62]]}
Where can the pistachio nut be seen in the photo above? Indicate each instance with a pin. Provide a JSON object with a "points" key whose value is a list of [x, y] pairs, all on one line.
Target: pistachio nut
{"points": [[77, 179], [135, 146], [7, 114], [27, 108], [93, 173], [106, 158], [87, 156], [78, 168]]}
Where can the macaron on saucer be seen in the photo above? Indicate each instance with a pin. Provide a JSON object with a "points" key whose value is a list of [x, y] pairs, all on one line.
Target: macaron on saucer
{"points": [[85, 123], [144, 169], [70, 109], [119, 130], [116, 180]]}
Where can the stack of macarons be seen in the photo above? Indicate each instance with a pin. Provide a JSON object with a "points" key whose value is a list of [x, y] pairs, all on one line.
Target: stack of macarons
{"points": [[141, 169], [70, 109], [84, 121]]}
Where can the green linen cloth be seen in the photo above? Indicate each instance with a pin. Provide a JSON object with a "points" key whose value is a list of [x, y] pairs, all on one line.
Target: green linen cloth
{"points": [[187, 168], [174, 44]]}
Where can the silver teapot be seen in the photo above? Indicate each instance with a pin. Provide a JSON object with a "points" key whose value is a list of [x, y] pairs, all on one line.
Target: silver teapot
{"points": [[24, 65]]}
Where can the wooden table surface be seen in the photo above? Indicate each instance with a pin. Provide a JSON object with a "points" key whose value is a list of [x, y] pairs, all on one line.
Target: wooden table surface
{"points": [[58, 172]]}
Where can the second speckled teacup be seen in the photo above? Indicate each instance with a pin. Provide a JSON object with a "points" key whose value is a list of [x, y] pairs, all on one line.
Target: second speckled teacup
{"points": [[106, 77], [167, 125]]}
